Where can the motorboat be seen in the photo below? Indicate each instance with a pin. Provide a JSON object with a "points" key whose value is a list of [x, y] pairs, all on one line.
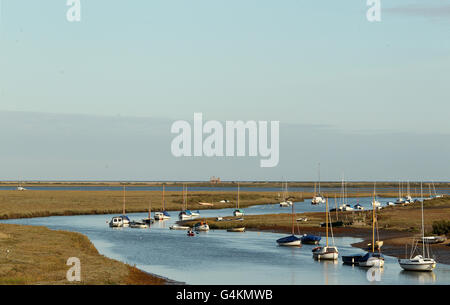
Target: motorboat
{"points": [[162, 215], [201, 226], [190, 233], [119, 221]]}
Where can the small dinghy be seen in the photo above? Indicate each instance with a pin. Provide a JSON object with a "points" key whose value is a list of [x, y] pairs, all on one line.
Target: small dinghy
{"points": [[138, 225], [240, 229], [178, 227], [190, 233], [310, 239]]}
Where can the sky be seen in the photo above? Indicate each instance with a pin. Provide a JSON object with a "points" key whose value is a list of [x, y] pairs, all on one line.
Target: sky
{"points": [[370, 100]]}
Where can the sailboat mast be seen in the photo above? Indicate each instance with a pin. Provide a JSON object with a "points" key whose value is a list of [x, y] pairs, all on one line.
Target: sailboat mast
{"points": [[163, 199], [423, 229], [292, 218], [373, 223], [150, 209], [123, 207], [238, 198], [326, 216], [319, 178]]}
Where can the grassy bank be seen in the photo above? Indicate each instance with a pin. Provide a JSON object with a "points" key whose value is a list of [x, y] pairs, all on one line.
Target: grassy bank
{"points": [[25, 204], [37, 255]]}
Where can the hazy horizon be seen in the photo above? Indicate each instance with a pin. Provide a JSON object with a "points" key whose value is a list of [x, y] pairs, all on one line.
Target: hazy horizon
{"points": [[95, 99]]}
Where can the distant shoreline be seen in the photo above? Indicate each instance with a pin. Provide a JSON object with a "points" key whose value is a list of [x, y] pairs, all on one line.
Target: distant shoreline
{"points": [[262, 184]]}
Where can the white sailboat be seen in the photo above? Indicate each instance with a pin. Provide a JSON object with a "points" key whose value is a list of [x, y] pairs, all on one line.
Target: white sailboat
{"points": [[238, 212], [185, 213], [419, 262], [20, 187], [162, 215], [317, 198], [327, 252], [373, 259], [285, 202], [375, 202], [400, 199]]}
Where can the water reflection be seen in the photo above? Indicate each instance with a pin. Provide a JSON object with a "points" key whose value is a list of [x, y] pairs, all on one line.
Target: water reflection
{"points": [[418, 277]]}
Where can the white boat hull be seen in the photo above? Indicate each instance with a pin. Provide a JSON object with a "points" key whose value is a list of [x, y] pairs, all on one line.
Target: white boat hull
{"points": [[295, 243], [417, 264]]}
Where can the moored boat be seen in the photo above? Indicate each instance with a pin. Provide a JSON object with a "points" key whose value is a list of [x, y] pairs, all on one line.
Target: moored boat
{"points": [[238, 229], [119, 222], [201, 226], [326, 252], [291, 240], [179, 227], [310, 239], [138, 225], [238, 212], [419, 262]]}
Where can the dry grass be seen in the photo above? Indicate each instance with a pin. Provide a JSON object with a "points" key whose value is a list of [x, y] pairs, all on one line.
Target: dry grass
{"points": [[37, 255], [25, 204]]}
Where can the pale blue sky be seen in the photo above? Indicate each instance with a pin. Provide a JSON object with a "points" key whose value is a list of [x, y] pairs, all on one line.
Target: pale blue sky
{"points": [[303, 62]]}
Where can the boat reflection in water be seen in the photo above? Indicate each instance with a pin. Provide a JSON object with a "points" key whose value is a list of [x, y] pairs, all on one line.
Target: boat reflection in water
{"points": [[418, 277]]}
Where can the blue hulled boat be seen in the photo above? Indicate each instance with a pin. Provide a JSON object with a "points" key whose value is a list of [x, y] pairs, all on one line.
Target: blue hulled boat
{"points": [[311, 239]]}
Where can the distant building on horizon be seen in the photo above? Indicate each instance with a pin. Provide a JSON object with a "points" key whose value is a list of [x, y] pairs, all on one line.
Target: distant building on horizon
{"points": [[214, 180]]}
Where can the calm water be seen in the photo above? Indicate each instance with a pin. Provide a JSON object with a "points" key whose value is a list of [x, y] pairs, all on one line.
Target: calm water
{"points": [[220, 257]]}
